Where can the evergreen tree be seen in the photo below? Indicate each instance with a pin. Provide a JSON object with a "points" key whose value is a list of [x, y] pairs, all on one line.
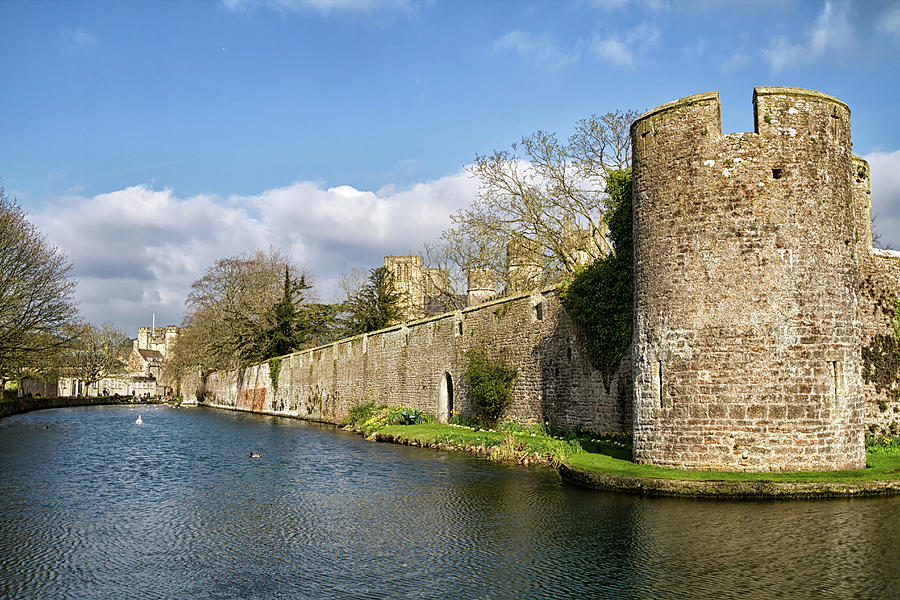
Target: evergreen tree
{"points": [[375, 305], [287, 331]]}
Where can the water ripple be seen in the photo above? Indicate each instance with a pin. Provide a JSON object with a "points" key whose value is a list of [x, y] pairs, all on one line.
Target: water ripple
{"points": [[96, 507]]}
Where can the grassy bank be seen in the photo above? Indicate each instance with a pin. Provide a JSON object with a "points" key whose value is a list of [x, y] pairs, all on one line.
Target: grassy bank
{"points": [[609, 454]]}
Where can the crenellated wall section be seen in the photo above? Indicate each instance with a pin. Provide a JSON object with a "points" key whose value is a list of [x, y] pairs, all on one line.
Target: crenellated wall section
{"points": [[879, 293], [421, 365], [760, 308], [747, 323]]}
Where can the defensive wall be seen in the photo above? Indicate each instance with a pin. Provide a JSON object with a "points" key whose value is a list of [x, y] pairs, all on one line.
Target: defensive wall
{"points": [[750, 250], [421, 365], [761, 310]]}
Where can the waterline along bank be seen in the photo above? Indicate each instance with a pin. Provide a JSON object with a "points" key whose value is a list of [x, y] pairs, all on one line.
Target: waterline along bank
{"points": [[598, 462], [604, 462]]}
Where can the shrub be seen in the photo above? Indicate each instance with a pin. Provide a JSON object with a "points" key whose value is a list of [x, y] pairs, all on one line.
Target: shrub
{"points": [[599, 297], [490, 384], [274, 370], [359, 414], [885, 445]]}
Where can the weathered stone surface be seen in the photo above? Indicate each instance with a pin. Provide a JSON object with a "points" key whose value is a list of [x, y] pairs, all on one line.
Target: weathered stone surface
{"points": [[405, 366], [756, 288], [746, 287], [879, 289]]}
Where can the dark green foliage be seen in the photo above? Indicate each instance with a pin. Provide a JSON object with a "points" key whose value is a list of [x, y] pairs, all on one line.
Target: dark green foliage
{"points": [[360, 413], [599, 297], [883, 445], [375, 306], [274, 370], [490, 385], [321, 324], [286, 330]]}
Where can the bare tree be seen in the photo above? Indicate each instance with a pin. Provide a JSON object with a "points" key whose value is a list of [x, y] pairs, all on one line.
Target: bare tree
{"points": [[546, 194], [233, 311], [97, 352], [36, 293]]}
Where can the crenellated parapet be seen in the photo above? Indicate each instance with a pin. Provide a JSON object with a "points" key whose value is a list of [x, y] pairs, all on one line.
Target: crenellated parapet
{"points": [[747, 329]]}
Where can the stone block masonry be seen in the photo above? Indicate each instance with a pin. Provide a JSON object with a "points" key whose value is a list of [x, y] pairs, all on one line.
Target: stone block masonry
{"points": [[763, 317], [421, 365], [747, 322]]}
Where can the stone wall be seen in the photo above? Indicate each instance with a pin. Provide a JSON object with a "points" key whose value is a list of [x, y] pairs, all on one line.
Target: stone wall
{"points": [[879, 289], [757, 296], [747, 328], [421, 365]]}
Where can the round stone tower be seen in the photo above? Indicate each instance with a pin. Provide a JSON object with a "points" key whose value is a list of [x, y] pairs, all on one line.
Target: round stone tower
{"points": [[747, 333]]}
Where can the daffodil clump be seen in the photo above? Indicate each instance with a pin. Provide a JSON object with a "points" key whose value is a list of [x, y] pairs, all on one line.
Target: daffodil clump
{"points": [[370, 418]]}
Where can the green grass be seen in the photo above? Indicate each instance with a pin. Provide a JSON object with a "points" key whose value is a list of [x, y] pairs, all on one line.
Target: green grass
{"points": [[880, 467], [613, 456], [502, 445]]}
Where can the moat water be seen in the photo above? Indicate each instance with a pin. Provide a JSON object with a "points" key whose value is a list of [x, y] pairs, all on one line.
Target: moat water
{"points": [[94, 506]]}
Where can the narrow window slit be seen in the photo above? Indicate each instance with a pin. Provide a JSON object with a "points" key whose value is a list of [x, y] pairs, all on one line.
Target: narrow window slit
{"points": [[660, 394]]}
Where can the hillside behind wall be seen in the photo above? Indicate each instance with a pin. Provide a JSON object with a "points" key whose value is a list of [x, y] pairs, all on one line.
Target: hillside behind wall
{"points": [[408, 365]]}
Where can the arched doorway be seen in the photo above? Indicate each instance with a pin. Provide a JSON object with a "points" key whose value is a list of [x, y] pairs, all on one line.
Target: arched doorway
{"points": [[445, 401]]}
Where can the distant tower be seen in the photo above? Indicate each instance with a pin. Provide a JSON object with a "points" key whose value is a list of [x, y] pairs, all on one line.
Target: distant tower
{"points": [[143, 338], [581, 247], [746, 348], [436, 282], [406, 272], [523, 264], [481, 286]]}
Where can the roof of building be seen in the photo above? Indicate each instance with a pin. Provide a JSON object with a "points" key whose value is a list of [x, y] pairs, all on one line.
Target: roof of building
{"points": [[151, 355]]}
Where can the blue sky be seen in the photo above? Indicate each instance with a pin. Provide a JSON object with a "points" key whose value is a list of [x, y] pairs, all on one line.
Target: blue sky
{"points": [[148, 139]]}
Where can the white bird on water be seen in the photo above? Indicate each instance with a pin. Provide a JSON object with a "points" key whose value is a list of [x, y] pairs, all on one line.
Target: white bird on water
{"points": [[139, 421]]}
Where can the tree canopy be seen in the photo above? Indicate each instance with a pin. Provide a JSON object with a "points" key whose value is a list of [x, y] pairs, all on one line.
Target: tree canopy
{"points": [[244, 309], [599, 297], [36, 293], [543, 195], [374, 305], [96, 352]]}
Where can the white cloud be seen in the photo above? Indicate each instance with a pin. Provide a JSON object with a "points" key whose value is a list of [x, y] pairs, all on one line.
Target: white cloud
{"points": [[833, 30], [76, 41], [623, 50], [885, 169], [615, 51], [608, 4], [735, 62], [889, 21], [140, 249], [649, 5], [541, 51]]}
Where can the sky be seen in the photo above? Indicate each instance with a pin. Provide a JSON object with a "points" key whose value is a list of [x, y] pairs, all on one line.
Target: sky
{"points": [[148, 139]]}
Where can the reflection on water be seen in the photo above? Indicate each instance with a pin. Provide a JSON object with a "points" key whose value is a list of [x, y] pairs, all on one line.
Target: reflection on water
{"points": [[95, 506]]}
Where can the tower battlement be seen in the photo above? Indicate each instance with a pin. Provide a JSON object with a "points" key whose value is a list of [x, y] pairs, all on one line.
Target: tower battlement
{"points": [[747, 334]]}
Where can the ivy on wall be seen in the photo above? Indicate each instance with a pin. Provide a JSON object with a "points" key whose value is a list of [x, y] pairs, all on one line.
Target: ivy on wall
{"points": [[274, 370], [599, 297]]}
